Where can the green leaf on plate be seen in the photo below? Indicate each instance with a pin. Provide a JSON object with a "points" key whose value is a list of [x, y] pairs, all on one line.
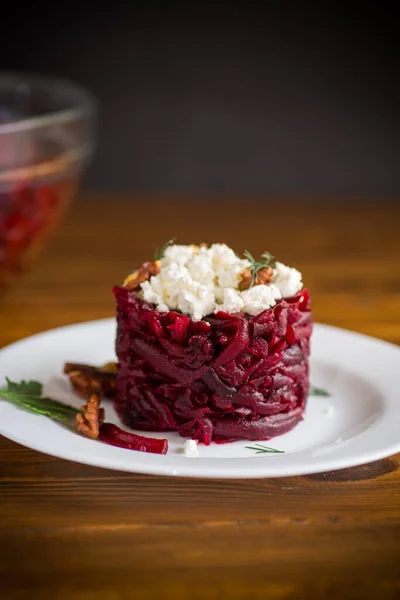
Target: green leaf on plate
{"points": [[28, 395], [316, 391], [262, 449]]}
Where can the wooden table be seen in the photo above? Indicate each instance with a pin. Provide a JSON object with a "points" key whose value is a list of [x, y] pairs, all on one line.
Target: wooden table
{"points": [[71, 531]]}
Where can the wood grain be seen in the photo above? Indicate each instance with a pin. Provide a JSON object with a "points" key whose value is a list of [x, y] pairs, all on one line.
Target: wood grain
{"points": [[72, 531]]}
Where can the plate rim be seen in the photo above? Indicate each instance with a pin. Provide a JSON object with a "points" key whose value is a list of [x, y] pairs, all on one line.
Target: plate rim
{"points": [[204, 467]]}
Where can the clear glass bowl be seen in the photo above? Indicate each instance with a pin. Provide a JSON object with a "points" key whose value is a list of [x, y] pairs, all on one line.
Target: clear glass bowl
{"points": [[46, 139]]}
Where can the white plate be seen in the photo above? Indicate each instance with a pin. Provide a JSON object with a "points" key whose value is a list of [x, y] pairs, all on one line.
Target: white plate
{"points": [[359, 423]]}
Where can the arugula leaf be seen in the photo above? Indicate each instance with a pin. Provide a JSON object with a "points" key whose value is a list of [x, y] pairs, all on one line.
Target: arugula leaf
{"points": [[28, 395], [25, 388], [316, 391]]}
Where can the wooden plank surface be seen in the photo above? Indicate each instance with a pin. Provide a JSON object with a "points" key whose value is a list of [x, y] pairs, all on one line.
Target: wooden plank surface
{"points": [[72, 531]]}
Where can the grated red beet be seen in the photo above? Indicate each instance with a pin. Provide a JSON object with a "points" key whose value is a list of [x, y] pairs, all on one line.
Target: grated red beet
{"points": [[224, 378], [111, 434]]}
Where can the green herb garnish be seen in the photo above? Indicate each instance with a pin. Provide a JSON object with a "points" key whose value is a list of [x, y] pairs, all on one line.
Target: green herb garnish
{"points": [[316, 391], [159, 252], [256, 266], [262, 449], [28, 395]]}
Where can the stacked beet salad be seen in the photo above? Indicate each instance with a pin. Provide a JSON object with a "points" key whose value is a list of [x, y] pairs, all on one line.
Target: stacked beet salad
{"points": [[212, 345]]}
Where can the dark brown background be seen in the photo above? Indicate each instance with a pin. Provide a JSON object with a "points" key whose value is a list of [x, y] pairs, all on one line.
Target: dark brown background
{"points": [[276, 97]]}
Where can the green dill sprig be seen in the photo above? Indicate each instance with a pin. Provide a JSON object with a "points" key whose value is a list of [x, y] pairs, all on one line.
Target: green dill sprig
{"points": [[316, 391], [28, 395], [262, 449], [159, 252], [255, 265]]}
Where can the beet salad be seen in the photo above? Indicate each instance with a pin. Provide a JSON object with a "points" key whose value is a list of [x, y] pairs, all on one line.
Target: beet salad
{"points": [[212, 345]]}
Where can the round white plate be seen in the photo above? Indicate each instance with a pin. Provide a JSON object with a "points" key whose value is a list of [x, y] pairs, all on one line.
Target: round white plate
{"points": [[357, 424]]}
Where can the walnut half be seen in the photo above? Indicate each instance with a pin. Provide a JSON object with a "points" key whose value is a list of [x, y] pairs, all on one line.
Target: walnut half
{"points": [[87, 380], [143, 273], [264, 276], [91, 417]]}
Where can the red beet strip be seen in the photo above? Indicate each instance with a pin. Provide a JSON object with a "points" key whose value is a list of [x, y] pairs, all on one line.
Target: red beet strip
{"points": [[111, 434]]}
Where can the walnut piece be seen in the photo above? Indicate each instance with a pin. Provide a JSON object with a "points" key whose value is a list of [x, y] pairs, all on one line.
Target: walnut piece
{"points": [[110, 367], [87, 380], [143, 273], [91, 418], [263, 277], [196, 249]]}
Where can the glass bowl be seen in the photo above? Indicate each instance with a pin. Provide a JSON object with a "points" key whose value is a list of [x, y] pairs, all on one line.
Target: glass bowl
{"points": [[46, 140]]}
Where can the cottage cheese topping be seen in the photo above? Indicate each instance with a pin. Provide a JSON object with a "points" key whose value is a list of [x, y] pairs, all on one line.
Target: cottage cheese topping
{"points": [[260, 297], [287, 280], [199, 281], [190, 448]]}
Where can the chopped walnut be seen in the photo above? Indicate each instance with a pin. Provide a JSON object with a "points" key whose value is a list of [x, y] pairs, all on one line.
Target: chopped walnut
{"points": [[110, 367], [196, 249], [87, 380], [263, 277], [91, 418], [143, 273]]}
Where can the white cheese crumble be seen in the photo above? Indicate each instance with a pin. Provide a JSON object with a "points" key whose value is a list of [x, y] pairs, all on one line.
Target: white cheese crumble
{"points": [[198, 281], [190, 448], [287, 280], [260, 297]]}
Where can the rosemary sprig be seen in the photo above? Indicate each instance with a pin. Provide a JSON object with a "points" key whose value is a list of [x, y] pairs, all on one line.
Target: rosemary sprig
{"points": [[255, 265], [316, 391], [262, 449], [159, 252], [28, 395]]}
